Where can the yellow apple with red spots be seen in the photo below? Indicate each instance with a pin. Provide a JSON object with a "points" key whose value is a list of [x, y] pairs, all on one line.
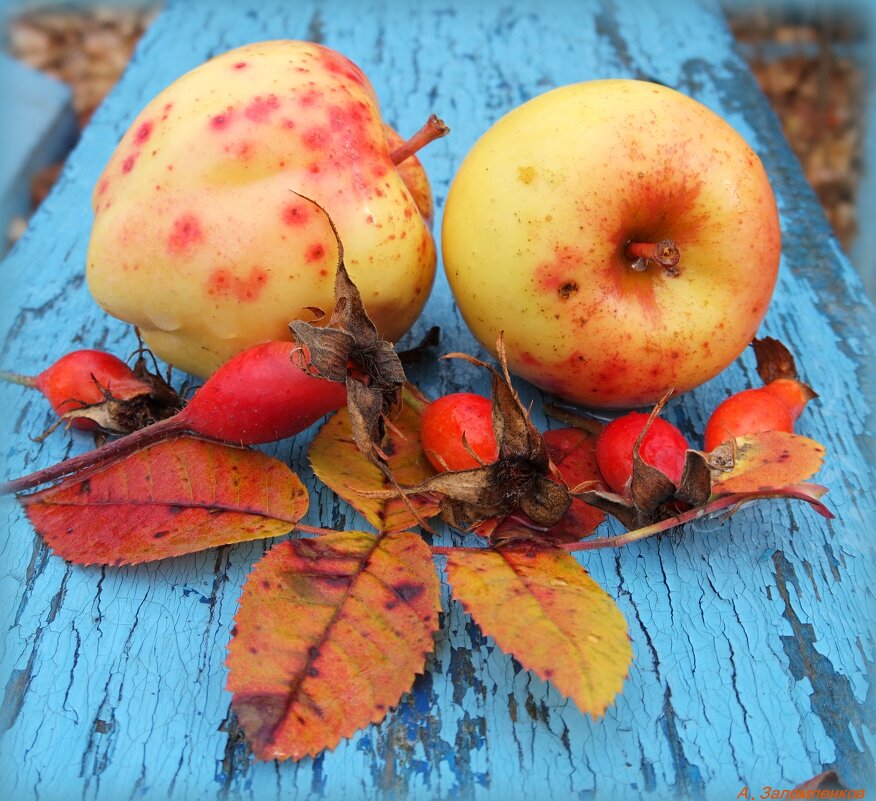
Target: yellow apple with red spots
{"points": [[623, 236], [201, 236]]}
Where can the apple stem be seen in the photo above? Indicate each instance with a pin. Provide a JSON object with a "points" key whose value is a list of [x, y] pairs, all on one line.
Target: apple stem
{"points": [[665, 253], [432, 130]]}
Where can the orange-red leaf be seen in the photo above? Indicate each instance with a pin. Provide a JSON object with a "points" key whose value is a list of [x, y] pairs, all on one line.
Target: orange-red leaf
{"points": [[541, 606], [769, 460], [573, 452], [329, 635], [339, 464], [173, 498]]}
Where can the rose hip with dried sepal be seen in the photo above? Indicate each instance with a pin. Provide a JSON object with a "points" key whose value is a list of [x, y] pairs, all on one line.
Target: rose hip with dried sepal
{"points": [[776, 406], [97, 390], [663, 447], [747, 412]]}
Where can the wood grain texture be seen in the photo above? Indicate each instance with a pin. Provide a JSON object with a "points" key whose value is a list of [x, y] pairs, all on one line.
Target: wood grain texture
{"points": [[753, 644]]}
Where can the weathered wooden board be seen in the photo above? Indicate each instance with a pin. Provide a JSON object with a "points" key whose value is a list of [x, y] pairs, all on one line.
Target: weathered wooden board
{"points": [[753, 638]]}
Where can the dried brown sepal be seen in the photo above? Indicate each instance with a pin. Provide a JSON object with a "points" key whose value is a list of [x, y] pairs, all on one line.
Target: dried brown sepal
{"points": [[695, 487], [164, 400], [119, 416], [519, 480], [349, 350], [653, 495], [774, 360]]}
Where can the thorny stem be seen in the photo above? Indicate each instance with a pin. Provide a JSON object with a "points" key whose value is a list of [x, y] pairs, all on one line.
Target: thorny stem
{"points": [[17, 378], [432, 130], [97, 459], [629, 537], [665, 253]]}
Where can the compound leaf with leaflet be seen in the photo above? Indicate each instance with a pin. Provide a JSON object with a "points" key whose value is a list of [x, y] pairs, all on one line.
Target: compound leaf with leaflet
{"points": [[176, 497], [329, 635], [542, 607]]}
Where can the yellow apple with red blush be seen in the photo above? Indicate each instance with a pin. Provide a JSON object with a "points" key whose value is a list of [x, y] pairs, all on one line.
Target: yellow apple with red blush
{"points": [[204, 235], [624, 237]]}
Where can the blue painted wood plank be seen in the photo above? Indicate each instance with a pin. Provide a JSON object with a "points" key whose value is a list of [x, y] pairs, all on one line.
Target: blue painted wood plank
{"points": [[753, 638], [40, 130]]}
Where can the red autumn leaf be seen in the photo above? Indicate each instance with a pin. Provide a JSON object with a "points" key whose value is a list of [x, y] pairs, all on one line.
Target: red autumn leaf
{"points": [[329, 635], [572, 450], [542, 607], [766, 461], [179, 496], [827, 781], [341, 466]]}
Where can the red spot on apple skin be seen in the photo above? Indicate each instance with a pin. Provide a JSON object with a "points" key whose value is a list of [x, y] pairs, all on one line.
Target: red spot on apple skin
{"points": [[143, 133], [244, 150], [223, 283], [315, 252], [221, 121], [129, 162], [185, 234], [566, 267], [294, 214], [260, 108], [309, 98], [315, 138], [240, 65], [102, 186]]}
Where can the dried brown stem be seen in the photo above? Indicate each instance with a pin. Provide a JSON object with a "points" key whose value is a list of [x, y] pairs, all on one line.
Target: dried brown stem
{"points": [[665, 252], [101, 457], [17, 378]]}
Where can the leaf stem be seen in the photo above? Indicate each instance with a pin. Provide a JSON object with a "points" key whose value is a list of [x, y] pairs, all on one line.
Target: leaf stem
{"points": [[319, 532], [447, 550]]}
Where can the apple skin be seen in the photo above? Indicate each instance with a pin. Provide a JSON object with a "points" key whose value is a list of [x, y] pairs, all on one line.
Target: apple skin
{"points": [[199, 238], [538, 218]]}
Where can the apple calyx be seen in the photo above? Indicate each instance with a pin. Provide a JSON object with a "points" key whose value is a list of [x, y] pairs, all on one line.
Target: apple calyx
{"points": [[665, 253], [434, 129], [348, 350]]}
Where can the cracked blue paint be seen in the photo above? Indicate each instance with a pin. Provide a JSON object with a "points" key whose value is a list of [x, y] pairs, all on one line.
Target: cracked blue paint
{"points": [[754, 654]]}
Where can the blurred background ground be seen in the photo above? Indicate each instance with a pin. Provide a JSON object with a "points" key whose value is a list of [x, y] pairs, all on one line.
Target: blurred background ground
{"points": [[809, 62]]}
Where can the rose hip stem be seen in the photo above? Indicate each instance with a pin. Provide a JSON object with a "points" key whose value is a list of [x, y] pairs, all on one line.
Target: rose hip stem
{"points": [[663, 252], [17, 378], [432, 130]]}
